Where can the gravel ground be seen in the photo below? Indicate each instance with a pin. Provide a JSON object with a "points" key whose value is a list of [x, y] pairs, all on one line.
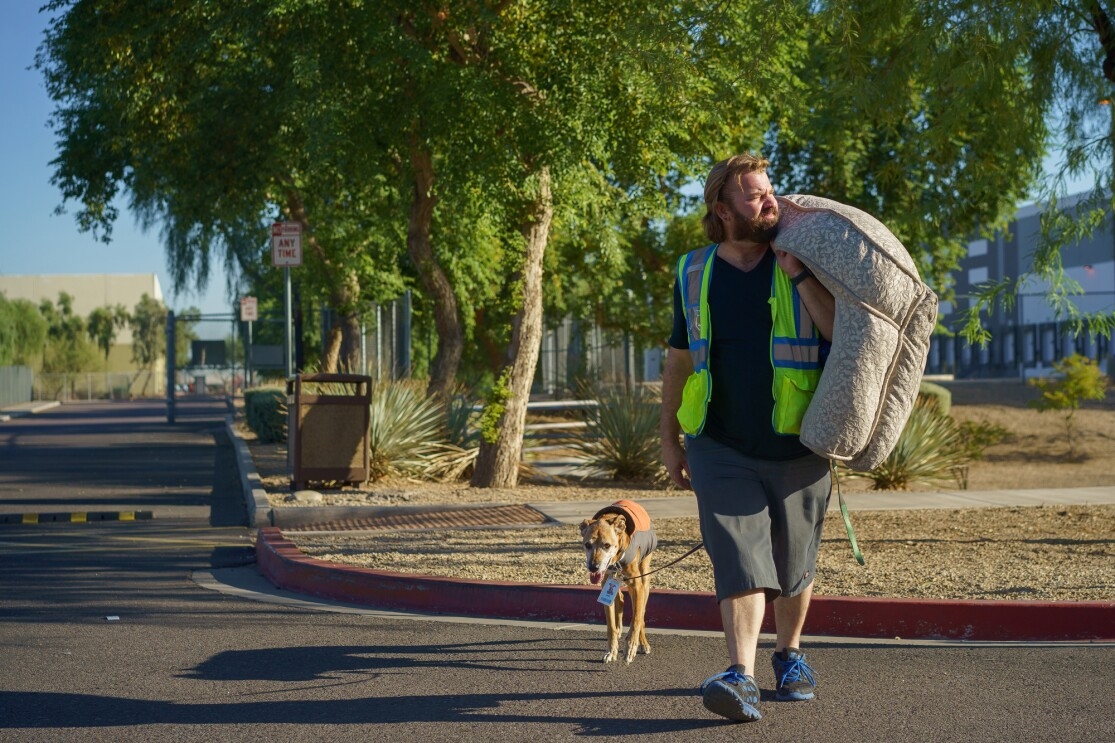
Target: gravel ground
{"points": [[1039, 553]]}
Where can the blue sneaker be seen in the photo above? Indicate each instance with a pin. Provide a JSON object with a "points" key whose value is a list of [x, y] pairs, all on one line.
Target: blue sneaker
{"points": [[794, 678], [732, 694]]}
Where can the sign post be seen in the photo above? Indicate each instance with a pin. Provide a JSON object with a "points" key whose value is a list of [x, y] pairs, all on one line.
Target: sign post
{"points": [[249, 313], [286, 251]]}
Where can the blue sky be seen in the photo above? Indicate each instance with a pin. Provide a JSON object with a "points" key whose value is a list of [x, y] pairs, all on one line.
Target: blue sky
{"points": [[34, 239]]}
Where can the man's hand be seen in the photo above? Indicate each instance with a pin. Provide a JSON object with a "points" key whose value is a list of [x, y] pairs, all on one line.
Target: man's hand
{"points": [[673, 456], [789, 263]]}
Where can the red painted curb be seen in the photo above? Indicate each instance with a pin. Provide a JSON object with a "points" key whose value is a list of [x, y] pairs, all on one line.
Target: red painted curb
{"points": [[283, 564]]}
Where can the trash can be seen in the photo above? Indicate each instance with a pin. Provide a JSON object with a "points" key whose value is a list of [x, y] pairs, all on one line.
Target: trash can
{"points": [[327, 428]]}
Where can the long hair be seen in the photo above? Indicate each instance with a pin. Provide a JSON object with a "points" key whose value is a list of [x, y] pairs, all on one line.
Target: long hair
{"points": [[734, 168]]}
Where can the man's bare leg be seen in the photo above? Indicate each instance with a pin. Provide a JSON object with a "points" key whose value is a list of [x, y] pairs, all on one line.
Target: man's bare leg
{"points": [[742, 617]]}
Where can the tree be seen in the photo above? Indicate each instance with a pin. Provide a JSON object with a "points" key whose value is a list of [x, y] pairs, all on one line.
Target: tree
{"points": [[67, 349], [936, 118], [148, 323], [206, 117], [103, 325], [23, 332], [185, 333]]}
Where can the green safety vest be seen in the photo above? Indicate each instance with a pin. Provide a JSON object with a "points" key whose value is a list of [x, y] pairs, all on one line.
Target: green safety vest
{"points": [[794, 346]]}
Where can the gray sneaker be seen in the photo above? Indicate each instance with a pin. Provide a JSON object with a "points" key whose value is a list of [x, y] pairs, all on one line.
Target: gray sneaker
{"points": [[794, 678], [732, 694]]}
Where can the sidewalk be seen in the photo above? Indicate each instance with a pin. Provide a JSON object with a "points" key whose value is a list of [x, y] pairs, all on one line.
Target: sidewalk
{"points": [[285, 566], [26, 408], [571, 512]]}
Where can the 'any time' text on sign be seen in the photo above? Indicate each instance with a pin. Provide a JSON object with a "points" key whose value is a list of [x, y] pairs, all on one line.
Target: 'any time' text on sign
{"points": [[286, 244]]}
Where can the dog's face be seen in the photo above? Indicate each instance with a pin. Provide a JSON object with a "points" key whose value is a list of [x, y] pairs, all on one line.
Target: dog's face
{"points": [[605, 540]]}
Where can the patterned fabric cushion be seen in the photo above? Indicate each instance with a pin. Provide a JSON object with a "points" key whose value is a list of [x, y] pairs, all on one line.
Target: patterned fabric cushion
{"points": [[885, 315]]}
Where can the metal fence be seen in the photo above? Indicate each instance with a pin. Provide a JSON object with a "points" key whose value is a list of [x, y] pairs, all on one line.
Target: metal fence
{"points": [[15, 384], [98, 386]]}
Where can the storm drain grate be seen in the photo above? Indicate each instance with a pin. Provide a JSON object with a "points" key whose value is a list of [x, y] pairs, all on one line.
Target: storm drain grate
{"points": [[455, 518]]}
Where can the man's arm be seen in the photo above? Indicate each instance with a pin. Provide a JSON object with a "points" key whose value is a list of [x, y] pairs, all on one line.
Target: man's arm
{"points": [[679, 365], [817, 299]]}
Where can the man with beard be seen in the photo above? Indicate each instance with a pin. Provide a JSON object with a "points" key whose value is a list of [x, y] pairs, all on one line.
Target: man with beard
{"points": [[755, 323]]}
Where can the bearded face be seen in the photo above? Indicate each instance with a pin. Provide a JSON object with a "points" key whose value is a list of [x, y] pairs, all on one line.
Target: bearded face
{"points": [[758, 229]]}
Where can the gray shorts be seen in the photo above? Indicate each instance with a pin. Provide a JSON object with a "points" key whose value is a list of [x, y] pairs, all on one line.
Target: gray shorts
{"points": [[761, 520]]}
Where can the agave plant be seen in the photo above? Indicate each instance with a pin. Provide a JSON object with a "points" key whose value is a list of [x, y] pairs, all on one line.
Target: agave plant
{"points": [[405, 429], [929, 449], [621, 437]]}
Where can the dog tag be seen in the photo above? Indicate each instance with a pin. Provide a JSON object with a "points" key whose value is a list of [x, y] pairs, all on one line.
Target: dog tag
{"points": [[608, 592]]}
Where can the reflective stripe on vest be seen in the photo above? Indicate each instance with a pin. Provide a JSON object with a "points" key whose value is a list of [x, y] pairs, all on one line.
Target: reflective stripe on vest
{"points": [[794, 349]]}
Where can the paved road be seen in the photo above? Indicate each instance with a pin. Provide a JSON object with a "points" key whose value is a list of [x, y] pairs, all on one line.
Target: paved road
{"points": [[133, 631]]}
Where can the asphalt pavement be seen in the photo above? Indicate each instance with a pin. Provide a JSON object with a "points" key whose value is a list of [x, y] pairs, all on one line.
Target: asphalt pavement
{"points": [[135, 628]]}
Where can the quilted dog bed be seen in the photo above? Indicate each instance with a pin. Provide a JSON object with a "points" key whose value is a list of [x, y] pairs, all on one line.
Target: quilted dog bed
{"points": [[885, 315]]}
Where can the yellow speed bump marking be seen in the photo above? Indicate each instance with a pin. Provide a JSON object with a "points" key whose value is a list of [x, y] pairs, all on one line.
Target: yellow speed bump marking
{"points": [[79, 518], [30, 518]]}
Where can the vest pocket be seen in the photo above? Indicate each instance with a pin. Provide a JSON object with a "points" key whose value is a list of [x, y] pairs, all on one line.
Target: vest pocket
{"points": [[791, 401], [694, 401]]}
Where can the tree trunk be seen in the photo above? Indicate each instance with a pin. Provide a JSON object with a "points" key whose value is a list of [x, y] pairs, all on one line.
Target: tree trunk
{"points": [[450, 337], [344, 293], [331, 358], [497, 464]]}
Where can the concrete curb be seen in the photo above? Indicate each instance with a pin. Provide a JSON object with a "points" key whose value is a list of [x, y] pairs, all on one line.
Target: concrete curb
{"points": [[282, 563], [27, 408], [251, 485]]}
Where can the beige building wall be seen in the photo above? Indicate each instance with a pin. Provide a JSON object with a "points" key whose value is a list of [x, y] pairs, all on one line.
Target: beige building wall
{"points": [[91, 291]]}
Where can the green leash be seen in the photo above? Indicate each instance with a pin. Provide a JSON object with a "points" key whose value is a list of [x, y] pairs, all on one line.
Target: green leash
{"points": [[844, 512]]}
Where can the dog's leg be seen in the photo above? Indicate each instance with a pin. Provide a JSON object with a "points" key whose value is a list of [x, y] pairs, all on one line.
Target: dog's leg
{"points": [[640, 593], [613, 615]]}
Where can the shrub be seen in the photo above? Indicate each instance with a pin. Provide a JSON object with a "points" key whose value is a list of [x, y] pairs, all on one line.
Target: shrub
{"points": [[973, 438], [622, 436], [266, 413], [928, 450], [1078, 378], [936, 394], [405, 430]]}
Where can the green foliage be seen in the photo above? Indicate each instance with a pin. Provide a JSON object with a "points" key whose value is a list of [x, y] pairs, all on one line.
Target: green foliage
{"points": [[937, 395], [406, 429], [184, 334], [928, 450], [622, 437], [495, 408], [148, 323], [265, 412], [23, 331], [1077, 379], [103, 325], [973, 438], [67, 348]]}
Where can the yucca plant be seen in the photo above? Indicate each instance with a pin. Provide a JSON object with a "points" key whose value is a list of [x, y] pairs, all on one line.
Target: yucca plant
{"points": [[929, 449], [621, 437], [405, 429]]}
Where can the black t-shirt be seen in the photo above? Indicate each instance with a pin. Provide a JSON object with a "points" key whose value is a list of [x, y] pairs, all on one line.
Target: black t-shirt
{"points": [[742, 404]]}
